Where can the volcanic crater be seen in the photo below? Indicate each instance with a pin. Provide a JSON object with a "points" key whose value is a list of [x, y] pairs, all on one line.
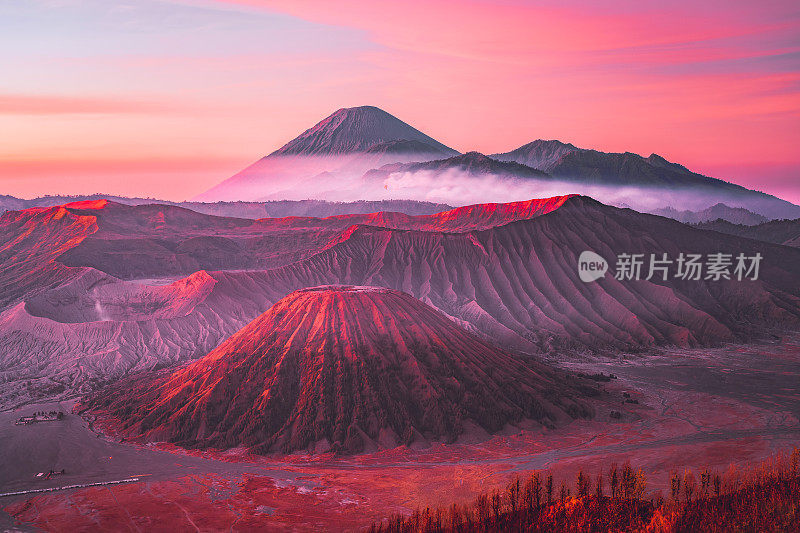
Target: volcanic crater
{"points": [[343, 369]]}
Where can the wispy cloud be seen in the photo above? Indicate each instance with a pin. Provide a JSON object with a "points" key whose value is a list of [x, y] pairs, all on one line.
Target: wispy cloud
{"points": [[23, 104]]}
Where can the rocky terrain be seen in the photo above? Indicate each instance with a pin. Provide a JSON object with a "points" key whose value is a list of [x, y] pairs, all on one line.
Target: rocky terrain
{"points": [[346, 369], [505, 271], [158, 241], [81, 325]]}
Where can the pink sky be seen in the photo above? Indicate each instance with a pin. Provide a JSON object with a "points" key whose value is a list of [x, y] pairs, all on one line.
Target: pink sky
{"points": [[166, 99]]}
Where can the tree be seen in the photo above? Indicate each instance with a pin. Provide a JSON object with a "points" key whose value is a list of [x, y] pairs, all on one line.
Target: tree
{"points": [[427, 519], [705, 483], [689, 485], [527, 496], [613, 476], [583, 485], [675, 485], [416, 519], [626, 482], [533, 492], [512, 492], [482, 506], [496, 506], [598, 487], [548, 488], [563, 492], [639, 484]]}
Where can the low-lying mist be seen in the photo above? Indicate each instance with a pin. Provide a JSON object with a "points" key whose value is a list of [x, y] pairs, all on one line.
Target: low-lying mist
{"points": [[351, 178]]}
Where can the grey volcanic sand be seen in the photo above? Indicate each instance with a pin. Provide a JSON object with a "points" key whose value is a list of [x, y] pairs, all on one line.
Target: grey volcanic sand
{"points": [[88, 457]]}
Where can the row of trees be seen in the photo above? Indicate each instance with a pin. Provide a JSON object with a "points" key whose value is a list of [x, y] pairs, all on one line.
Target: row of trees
{"points": [[766, 497]]}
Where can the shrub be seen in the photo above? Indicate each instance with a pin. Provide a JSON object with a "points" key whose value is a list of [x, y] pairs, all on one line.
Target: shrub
{"points": [[764, 498]]}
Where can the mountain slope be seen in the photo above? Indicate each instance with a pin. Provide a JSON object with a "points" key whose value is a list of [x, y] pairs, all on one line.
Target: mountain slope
{"points": [[31, 242], [471, 163], [66, 328], [157, 241], [518, 283], [336, 150], [95, 329], [345, 369], [515, 282], [735, 215], [252, 210], [786, 232], [539, 154], [357, 129], [617, 170]]}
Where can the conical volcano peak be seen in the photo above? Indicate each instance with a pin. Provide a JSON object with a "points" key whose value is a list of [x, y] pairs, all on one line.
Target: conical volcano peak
{"points": [[346, 369], [356, 129]]}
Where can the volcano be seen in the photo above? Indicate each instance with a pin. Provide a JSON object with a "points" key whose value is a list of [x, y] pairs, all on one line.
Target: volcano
{"points": [[339, 148], [343, 369], [358, 129], [507, 270]]}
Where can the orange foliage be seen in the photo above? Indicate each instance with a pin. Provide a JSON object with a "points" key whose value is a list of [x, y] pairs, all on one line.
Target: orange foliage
{"points": [[763, 498]]}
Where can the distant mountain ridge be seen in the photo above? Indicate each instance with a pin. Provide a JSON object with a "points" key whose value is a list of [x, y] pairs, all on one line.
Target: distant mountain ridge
{"points": [[343, 156], [540, 154], [786, 232], [734, 215], [252, 210], [473, 163], [567, 162]]}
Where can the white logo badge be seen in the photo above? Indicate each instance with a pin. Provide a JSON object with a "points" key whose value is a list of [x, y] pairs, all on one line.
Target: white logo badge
{"points": [[591, 266]]}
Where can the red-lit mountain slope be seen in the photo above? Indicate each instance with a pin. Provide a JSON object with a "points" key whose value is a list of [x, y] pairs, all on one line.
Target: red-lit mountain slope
{"points": [[345, 369], [32, 240], [80, 327], [517, 283], [151, 241]]}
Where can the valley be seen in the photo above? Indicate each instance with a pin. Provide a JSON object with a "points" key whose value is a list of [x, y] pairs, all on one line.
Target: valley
{"points": [[504, 271], [698, 408]]}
